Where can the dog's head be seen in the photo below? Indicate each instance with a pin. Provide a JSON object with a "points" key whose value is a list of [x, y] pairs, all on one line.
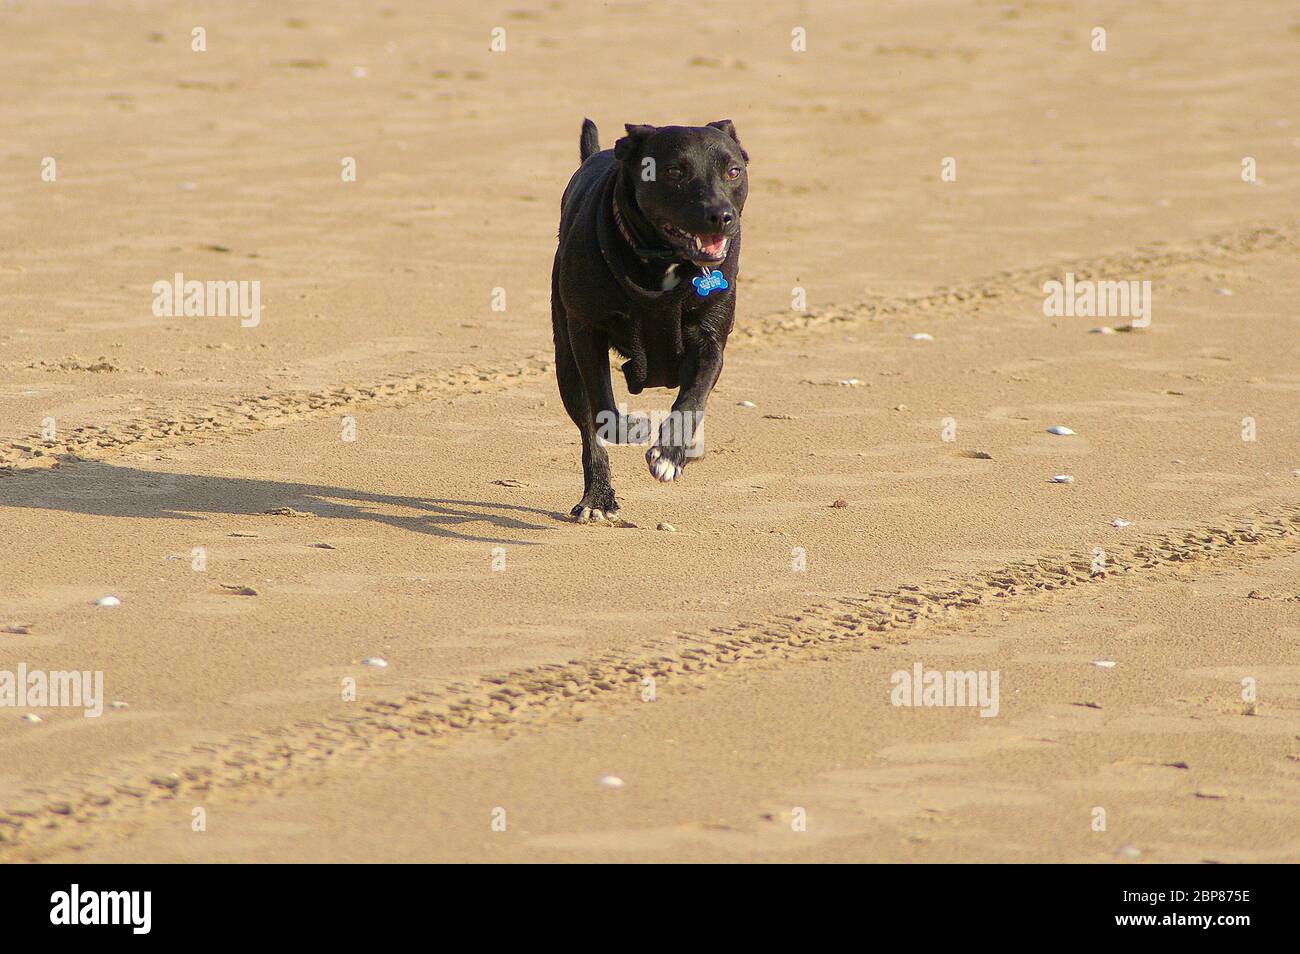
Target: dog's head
{"points": [[690, 184]]}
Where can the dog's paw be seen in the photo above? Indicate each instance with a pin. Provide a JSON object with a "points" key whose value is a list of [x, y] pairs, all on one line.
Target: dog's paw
{"points": [[596, 506], [666, 462]]}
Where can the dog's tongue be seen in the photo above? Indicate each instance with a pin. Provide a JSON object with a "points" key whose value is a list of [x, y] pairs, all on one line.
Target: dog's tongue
{"points": [[713, 245]]}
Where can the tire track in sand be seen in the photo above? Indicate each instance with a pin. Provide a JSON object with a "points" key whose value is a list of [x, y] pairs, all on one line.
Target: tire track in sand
{"points": [[82, 809], [264, 410]]}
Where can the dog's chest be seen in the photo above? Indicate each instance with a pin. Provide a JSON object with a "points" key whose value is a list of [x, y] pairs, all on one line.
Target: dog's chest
{"points": [[672, 278], [658, 327], [662, 319], [650, 335]]}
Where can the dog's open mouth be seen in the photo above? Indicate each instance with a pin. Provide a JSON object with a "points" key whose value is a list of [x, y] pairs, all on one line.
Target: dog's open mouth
{"points": [[700, 249]]}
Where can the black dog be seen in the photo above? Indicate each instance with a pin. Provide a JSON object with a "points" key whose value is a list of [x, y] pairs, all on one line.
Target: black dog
{"points": [[647, 261]]}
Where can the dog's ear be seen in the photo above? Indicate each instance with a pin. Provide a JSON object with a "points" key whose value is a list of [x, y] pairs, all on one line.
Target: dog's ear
{"points": [[729, 128], [627, 146]]}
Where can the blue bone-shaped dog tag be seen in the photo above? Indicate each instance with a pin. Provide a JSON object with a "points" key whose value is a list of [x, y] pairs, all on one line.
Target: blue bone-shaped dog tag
{"points": [[708, 283]]}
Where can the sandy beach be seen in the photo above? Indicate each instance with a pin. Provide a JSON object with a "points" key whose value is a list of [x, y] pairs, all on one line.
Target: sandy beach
{"points": [[355, 621]]}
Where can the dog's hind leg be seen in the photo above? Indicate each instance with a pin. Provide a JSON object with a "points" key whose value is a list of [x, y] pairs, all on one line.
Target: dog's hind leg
{"points": [[634, 370]]}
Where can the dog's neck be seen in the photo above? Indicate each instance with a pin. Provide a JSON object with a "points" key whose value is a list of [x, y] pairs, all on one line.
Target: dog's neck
{"points": [[645, 271], [632, 225]]}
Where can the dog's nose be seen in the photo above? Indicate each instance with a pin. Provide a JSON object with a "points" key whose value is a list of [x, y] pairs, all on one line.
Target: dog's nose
{"points": [[721, 218]]}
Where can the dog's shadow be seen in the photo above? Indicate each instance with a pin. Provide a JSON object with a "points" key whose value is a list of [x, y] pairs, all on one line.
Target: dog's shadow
{"points": [[103, 489]]}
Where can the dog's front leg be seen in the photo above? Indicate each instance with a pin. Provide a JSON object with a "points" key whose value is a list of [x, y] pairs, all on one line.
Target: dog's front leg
{"points": [[681, 435], [597, 418]]}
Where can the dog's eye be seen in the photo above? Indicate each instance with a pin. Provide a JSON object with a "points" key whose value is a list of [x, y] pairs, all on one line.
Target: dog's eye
{"points": [[675, 173], [733, 172]]}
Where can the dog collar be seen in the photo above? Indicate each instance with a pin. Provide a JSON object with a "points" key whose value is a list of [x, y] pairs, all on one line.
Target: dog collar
{"points": [[706, 283], [645, 254]]}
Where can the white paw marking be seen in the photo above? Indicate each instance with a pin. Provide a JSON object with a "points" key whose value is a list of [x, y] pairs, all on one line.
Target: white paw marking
{"points": [[661, 468]]}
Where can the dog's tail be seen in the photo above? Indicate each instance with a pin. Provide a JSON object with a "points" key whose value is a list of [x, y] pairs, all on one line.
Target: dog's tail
{"points": [[589, 143]]}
